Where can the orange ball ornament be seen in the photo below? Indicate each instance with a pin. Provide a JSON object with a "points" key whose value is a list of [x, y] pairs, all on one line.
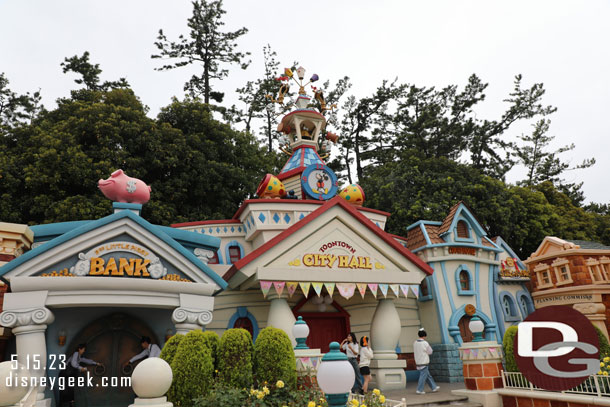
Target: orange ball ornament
{"points": [[353, 194], [270, 188]]}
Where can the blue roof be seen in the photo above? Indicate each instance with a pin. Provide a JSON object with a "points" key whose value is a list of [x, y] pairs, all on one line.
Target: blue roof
{"points": [[302, 157], [52, 230], [166, 234]]}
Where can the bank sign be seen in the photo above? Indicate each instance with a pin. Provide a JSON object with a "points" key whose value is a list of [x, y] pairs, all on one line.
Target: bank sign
{"points": [[119, 259]]}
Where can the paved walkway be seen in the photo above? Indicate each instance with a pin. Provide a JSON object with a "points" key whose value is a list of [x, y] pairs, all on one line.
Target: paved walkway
{"points": [[443, 396]]}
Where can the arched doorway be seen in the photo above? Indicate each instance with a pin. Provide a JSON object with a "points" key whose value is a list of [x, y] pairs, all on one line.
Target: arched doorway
{"points": [[111, 341], [465, 331]]}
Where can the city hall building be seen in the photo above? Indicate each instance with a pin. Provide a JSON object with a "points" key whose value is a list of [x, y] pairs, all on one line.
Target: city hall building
{"points": [[302, 247]]}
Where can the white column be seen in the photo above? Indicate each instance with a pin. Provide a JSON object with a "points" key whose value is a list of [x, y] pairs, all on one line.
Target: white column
{"points": [[29, 327], [281, 316], [186, 320], [387, 371], [385, 330]]}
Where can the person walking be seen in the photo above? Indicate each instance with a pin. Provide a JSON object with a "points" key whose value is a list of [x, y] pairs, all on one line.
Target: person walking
{"points": [[366, 354], [422, 351], [350, 346]]}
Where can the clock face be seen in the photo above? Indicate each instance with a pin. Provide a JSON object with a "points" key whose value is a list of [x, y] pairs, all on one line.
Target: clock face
{"points": [[319, 182]]}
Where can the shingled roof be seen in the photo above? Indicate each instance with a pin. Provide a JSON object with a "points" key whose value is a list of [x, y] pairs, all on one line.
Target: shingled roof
{"points": [[589, 245]]}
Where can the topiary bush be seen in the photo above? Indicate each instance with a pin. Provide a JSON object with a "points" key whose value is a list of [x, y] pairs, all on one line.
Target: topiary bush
{"points": [[604, 346], [235, 358], [274, 358], [212, 342], [508, 345], [193, 370], [169, 349]]}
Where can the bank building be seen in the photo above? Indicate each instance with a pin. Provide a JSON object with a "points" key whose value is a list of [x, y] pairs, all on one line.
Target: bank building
{"points": [[302, 247]]}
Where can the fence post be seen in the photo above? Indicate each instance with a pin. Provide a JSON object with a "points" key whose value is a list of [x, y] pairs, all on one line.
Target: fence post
{"points": [[597, 387], [503, 379]]}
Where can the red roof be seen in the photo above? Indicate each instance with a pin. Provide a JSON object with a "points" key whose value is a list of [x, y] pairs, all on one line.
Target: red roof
{"points": [[295, 201], [336, 201]]}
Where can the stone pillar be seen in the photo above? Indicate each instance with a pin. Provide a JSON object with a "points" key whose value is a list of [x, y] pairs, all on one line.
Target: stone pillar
{"points": [[482, 366], [186, 320], [29, 327], [445, 363], [281, 316], [596, 312], [387, 371]]}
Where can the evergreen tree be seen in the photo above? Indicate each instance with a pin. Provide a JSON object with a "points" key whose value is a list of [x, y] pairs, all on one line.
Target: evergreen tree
{"points": [[205, 45]]}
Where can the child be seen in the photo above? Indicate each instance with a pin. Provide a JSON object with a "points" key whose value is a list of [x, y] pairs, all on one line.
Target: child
{"points": [[366, 354], [422, 352]]}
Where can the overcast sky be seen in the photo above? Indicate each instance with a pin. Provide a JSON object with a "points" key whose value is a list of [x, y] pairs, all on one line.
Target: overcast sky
{"points": [[563, 44]]}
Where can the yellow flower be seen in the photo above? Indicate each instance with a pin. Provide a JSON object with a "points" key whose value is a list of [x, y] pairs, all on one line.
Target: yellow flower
{"points": [[607, 359], [605, 373], [265, 390], [253, 391], [279, 384], [376, 392], [260, 395], [600, 372], [355, 403], [601, 364], [382, 398], [311, 404]]}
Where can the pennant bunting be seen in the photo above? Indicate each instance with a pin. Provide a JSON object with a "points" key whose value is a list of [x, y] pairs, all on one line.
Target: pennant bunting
{"points": [[405, 289], [373, 288], [314, 362], [317, 288], [475, 352], [305, 287], [395, 290], [265, 286], [292, 287], [361, 288], [279, 287], [384, 289], [415, 289], [305, 361], [346, 290], [330, 288]]}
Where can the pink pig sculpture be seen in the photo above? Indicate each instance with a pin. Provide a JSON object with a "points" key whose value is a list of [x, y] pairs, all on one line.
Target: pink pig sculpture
{"points": [[121, 188]]}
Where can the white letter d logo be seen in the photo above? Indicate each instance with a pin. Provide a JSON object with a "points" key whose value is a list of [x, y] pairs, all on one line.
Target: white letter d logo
{"points": [[526, 335]]}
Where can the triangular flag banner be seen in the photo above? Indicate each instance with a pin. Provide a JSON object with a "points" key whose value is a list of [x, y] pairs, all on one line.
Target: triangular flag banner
{"points": [[346, 290], [292, 287], [373, 288], [395, 290], [405, 289], [317, 288], [265, 286], [415, 289], [314, 362], [384, 289], [475, 352], [305, 361], [279, 287], [330, 288], [361, 288], [305, 288]]}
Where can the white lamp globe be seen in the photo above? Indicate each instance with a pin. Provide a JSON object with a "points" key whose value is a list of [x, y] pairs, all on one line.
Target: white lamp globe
{"points": [[300, 329], [328, 300], [11, 389], [476, 325], [335, 374], [151, 378]]}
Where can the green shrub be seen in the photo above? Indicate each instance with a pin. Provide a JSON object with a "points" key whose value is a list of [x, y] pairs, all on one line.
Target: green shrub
{"points": [[193, 370], [169, 349], [235, 358], [212, 342], [508, 344], [274, 358], [604, 346]]}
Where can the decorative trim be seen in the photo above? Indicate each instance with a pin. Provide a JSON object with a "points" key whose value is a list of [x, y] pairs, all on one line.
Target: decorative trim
{"points": [[514, 315], [428, 297], [477, 266], [233, 243], [439, 308], [540, 269], [454, 330], [528, 300], [447, 287], [33, 316], [191, 316]]}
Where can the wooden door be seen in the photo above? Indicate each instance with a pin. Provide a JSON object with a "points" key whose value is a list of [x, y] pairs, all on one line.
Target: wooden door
{"points": [[325, 328], [111, 341]]}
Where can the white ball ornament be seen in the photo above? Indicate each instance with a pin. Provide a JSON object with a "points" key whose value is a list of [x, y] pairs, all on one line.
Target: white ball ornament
{"points": [[11, 391], [328, 300], [151, 378]]}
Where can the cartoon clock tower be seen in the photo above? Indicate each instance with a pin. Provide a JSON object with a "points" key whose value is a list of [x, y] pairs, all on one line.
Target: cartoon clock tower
{"points": [[305, 172]]}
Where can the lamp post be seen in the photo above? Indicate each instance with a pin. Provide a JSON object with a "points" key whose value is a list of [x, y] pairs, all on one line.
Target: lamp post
{"points": [[300, 331], [336, 376], [477, 327]]}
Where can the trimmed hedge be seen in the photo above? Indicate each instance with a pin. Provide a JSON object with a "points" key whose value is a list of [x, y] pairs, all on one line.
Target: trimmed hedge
{"points": [[604, 346], [212, 341], [169, 349], [274, 358], [508, 345], [193, 370], [235, 358]]}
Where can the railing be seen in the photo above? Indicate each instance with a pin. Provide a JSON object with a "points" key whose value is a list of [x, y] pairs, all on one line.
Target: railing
{"points": [[388, 402], [596, 385]]}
